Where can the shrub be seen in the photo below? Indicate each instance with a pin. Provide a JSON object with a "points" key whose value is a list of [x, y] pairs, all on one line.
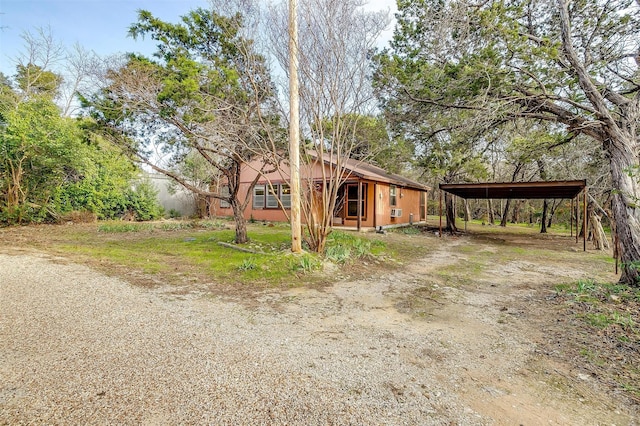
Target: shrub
{"points": [[142, 201]]}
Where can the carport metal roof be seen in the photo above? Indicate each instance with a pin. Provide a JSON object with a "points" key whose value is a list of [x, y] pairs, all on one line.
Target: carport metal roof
{"points": [[567, 189]]}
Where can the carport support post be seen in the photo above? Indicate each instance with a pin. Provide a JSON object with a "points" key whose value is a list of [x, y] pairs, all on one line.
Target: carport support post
{"points": [[359, 204], [584, 220], [571, 217], [440, 213], [577, 216]]}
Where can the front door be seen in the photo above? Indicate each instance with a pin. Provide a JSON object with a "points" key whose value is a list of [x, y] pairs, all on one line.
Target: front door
{"points": [[351, 201]]}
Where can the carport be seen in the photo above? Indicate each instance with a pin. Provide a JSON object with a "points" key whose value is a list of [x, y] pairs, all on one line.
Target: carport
{"points": [[540, 190]]}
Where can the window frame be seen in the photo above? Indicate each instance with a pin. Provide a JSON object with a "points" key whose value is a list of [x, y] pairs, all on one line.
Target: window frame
{"points": [[272, 196], [254, 204], [393, 196], [224, 191]]}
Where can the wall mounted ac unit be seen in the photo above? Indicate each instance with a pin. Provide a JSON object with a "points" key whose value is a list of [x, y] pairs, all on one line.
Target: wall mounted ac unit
{"points": [[396, 212]]}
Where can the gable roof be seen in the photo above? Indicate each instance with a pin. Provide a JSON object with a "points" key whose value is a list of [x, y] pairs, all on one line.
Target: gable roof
{"points": [[368, 171]]}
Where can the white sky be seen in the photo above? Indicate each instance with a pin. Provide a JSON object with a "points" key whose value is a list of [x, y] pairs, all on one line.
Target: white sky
{"points": [[98, 25]]}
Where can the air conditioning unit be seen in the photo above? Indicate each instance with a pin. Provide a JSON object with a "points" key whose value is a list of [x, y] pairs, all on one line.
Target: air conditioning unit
{"points": [[396, 212]]}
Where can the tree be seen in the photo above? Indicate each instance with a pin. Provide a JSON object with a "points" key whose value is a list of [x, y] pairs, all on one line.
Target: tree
{"points": [[573, 64], [38, 150], [207, 92], [336, 41]]}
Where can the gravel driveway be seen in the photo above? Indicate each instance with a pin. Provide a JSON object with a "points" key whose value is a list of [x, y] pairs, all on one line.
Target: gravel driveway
{"points": [[78, 347]]}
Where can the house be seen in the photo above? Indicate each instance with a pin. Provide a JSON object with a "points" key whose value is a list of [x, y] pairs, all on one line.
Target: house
{"points": [[386, 199]]}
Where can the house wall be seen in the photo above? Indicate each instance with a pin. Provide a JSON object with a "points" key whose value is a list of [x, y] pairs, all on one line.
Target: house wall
{"points": [[407, 199], [378, 208]]}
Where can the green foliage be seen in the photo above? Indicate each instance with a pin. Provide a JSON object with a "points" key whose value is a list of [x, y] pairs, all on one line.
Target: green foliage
{"points": [[142, 201], [345, 247], [40, 152], [123, 227], [205, 101], [174, 214], [34, 80], [248, 264], [304, 263]]}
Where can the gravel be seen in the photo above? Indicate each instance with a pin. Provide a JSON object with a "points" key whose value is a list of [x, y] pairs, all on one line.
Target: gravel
{"points": [[78, 347]]}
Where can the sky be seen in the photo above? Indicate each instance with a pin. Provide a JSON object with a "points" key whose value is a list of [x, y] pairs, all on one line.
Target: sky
{"points": [[97, 25]]}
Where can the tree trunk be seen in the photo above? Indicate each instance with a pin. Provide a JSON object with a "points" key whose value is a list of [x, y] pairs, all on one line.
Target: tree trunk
{"points": [[515, 214], [492, 218], [626, 209], [241, 223], [450, 213], [585, 224], [467, 211], [543, 220], [552, 212], [505, 212], [600, 241]]}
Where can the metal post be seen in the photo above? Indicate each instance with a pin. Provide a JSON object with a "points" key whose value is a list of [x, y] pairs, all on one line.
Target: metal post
{"points": [[577, 216], [440, 213], [359, 204], [571, 218], [584, 220]]}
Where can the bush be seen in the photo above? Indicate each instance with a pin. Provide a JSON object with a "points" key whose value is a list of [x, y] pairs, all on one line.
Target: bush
{"points": [[142, 201]]}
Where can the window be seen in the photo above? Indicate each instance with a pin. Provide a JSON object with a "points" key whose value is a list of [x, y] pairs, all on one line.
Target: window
{"points": [[352, 201], [258, 197], [272, 197], [266, 197], [285, 195], [393, 199], [224, 191]]}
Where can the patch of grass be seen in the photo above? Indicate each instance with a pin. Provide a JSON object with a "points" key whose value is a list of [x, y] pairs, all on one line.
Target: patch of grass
{"points": [[599, 319], [345, 247], [306, 263], [592, 357], [120, 227], [176, 225], [248, 264], [608, 314], [190, 250]]}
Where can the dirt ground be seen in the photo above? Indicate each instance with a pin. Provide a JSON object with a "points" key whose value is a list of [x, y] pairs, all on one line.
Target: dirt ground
{"points": [[473, 332]]}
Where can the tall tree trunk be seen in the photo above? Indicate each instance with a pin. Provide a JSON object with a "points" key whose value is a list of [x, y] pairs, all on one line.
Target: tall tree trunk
{"points": [[626, 210], [467, 211], [450, 213], [515, 214], [241, 223], [492, 218], [552, 211], [543, 220], [505, 212], [584, 225]]}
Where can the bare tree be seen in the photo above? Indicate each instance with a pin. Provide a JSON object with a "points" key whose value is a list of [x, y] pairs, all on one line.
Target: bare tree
{"points": [[335, 43]]}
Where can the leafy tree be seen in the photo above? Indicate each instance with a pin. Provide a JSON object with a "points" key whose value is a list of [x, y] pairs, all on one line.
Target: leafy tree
{"points": [[39, 150], [33, 80], [105, 183], [371, 142], [573, 64], [207, 92]]}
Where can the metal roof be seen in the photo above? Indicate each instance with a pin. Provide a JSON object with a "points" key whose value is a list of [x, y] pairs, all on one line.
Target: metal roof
{"points": [[369, 171], [519, 190]]}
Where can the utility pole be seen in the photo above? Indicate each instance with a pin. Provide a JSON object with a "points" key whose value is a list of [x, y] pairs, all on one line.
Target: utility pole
{"points": [[294, 129]]}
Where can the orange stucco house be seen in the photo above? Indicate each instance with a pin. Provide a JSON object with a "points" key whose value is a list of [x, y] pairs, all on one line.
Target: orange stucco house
{"points": [[386, 199]]}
